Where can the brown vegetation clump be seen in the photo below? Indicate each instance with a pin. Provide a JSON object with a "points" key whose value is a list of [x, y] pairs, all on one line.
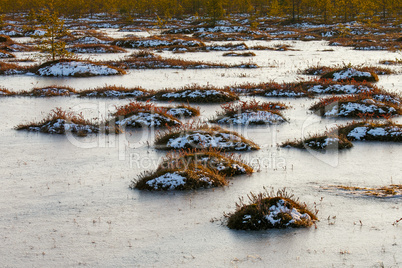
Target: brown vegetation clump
{"points": [[328, 141], [348, 74], [113, 91], [363, 105], [5, 92], [225, 164], [159, 42], [326, 70], [140, 115], [193, 94], [272, 89], [183, 111], [11, 69], [194, 177], [197, 136], [95, 48], [50, 91], [372, 131], [6, 55], [62, 122], [148, 60], [76, 68], [389, 191], [251, 113], [269, 210], [235, 54], [341, 137]]}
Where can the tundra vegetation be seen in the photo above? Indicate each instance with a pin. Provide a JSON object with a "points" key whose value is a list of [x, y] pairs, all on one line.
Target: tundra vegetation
{"points": [[270, 209]]}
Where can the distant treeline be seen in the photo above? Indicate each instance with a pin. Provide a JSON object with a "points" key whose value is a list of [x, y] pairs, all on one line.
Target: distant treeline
{"points": [[324, 10]]}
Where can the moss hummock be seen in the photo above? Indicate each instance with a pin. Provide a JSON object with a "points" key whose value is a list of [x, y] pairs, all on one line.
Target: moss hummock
{"points": [[341, 137], [113, 92], [192, 136], [251, 113], [194, 177], [62, 122], [144, 115], [193, 94], [362, 105], [269, 210], [348, 74], [50, 91], [76, 68], [225, 164]]}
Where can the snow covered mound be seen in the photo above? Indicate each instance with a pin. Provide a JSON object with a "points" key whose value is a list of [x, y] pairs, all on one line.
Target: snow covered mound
{"points": [[76, 68], [353, 109], [148, 119], [339, 89], [192, 178], [91, 40], [61, 126], [223, 164], [182, 111], [6, 55], [49, 92], [194, 95], [271, 212], [113, 92], [62, 122], [161, 43], [324, 142], [348, 74], [213, 137], [376, 133], [356, 106], [252, 118], [95, 49], [282, 93]]}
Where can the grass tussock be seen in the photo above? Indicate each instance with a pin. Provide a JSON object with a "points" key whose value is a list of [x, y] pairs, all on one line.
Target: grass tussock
{"points": [[183, 111], [251, 112], [76, 68], [5, 92], [269, 210], [236, 54], [139, 115], [113, 91], [95, 48], [327, 141], [389, 191], [11, 69], [148, 60], [193, 94], [341, 137], [159, 42], [62, 122], [367, 105], [224, 163], [6, 55], [348, 74], [200, 135], [50, 91], [392, 62], [309, 88], [322, 70], [194, 177], [271, 89], [372, 131]]}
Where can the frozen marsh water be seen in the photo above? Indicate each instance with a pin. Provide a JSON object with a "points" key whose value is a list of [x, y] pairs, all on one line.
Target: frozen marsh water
{"points": [[65, 201]]}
